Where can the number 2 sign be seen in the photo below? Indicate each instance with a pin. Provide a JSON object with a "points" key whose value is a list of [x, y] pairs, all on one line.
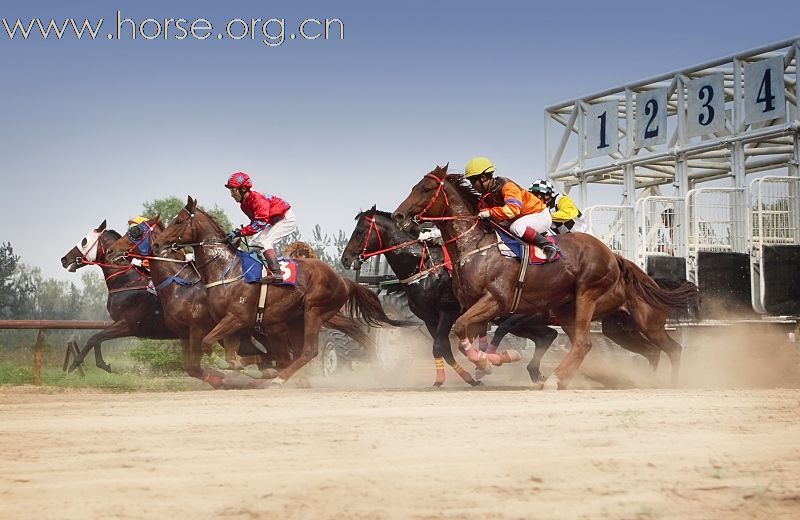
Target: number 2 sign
{"points": [[651, 117]]}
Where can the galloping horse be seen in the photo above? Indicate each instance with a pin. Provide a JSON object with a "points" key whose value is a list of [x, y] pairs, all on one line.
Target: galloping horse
{"points": [[319, 294], [425, 277], [134, 310], [588, 282], [186, 306]]}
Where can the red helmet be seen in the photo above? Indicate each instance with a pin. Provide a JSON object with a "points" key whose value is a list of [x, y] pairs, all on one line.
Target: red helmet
{"points": [[239, 180]]}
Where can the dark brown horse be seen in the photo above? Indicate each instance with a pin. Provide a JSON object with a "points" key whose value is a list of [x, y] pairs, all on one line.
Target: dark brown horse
{"points": [[588, 282], [318, 296], [425, 277], [186, 306], [134, 310]]}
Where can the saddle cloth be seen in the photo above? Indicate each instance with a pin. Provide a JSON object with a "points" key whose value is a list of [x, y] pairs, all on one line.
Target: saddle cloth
{"points": [[511, 246], [254, 270]]}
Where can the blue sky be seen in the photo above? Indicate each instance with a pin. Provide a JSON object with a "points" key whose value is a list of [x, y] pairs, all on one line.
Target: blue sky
{"points": [[91, 129]]}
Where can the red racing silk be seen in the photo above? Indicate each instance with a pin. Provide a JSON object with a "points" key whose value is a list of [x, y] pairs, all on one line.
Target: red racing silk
{"points": [[262, 211]]}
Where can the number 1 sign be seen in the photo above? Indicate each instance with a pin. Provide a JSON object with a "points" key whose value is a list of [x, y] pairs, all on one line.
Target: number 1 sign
{"points": [[601, 128]]}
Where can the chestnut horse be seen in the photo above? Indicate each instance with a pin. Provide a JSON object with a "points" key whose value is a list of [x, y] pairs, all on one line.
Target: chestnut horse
{"points": [[588, 281], [318, 296], [186, 307], [427, 283], [134, 310]]}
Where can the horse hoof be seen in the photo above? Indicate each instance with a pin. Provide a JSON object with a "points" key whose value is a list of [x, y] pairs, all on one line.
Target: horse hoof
{"points": [[438, 384], [480, 373], [269, 373], [550, 384], [474, 383], [510, 356]]}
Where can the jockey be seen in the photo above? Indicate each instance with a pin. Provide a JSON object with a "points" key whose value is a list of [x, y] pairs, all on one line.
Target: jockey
{"points": [[566, 216], [136, 234], [271, 218], [503, 200]]}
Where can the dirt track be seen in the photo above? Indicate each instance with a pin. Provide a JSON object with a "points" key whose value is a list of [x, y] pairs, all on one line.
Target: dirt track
{"points": [[311, 453]]}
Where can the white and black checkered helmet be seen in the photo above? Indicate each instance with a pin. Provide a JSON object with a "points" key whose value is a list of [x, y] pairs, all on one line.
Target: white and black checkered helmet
{"points": [[543, 186]]}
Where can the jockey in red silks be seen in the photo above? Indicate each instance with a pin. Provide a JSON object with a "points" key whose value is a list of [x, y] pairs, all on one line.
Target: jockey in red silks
{"points": [[271, 218], [504, 200]]}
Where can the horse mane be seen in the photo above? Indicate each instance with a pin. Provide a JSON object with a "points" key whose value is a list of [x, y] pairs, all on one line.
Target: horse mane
{"points": [[375, 212], [114, 234], [211, 219], [299, 249], [458, 181]]}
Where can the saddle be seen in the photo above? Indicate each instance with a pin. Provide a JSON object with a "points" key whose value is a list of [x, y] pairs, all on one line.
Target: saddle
{"points": [[511, 246], [254, 271]]}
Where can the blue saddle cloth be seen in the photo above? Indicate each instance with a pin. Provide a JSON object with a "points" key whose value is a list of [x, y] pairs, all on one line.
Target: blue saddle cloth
{"points": [[252, 269], [515, 244]]}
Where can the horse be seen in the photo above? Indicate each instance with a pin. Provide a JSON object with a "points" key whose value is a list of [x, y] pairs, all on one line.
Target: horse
{"points": [[424, 273], [588, 282], [134, 310], [319, 294], [186, 307]]}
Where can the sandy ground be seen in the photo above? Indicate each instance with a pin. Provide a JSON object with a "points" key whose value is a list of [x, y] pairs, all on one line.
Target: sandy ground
{"points": [[333, 453], [619, 445]]}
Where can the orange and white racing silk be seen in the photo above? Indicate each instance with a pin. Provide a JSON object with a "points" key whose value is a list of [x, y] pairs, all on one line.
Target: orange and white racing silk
{"points": [[507, 201]]}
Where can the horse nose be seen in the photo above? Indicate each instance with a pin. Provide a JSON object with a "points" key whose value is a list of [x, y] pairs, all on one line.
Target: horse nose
{"points": [[156, 247], [398, 217], [63, 261], [346, 260]]}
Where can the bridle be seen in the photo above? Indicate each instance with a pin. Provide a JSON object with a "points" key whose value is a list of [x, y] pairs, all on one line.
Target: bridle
{"points": [[421, 269]]}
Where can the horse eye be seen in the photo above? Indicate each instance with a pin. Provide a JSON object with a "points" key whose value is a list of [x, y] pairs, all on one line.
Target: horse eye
{"points": [[84, 242], [426, 190]]}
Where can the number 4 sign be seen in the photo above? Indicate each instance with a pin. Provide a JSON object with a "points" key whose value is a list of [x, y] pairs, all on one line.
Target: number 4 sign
{"points": [[764, 90]]}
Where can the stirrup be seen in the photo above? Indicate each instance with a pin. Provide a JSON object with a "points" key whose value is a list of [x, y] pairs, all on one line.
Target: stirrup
{"points": [[550, 252]]}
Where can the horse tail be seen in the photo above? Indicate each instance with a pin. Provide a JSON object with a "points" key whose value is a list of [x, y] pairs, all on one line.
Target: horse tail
{"points": [[350, 328], [365, 305], [680, 297]]}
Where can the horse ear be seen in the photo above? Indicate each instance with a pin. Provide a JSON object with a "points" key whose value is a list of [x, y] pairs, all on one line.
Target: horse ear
{"points": [[191, 203], [446, 166], [101, 227], [156, 219], [374, 208]]}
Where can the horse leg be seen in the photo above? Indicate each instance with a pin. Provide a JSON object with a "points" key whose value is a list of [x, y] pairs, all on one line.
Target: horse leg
{"points": [[477, 315], [651, 323], [445, 350], [619, 328], [314, 318], [581, 341], [119, 329], [542, 337]]}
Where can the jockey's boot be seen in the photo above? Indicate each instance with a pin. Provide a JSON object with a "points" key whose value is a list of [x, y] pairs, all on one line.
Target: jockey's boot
{"points": [[549, 249], [274, 266]]}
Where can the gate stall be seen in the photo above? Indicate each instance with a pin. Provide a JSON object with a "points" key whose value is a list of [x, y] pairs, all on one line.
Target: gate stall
{"points": [[775, 247], [703, 133]]}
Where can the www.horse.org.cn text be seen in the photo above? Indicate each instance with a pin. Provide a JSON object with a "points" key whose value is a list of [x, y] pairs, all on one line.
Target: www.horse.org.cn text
{"points": [[272, 32]]}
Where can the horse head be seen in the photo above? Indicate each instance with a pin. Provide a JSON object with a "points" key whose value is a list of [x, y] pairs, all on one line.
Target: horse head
{"points": [[375, 233], [138, 240], [90, 249], [427, 199], [190, 226]]}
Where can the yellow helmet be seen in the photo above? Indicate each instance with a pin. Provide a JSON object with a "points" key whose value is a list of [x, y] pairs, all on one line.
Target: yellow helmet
{"points": [[135, 221], [478, 166]]}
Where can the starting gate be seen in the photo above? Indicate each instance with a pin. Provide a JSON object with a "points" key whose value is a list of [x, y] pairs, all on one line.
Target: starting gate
{"points": [[706, 132]]}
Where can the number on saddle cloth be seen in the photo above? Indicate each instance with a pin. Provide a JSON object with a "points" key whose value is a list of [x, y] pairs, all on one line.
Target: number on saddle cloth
{"points": [[253, 269]]}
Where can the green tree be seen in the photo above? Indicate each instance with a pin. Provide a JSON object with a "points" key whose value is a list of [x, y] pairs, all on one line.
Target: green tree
{"points": [[8, 267], [169, 207], [93, 297]]}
